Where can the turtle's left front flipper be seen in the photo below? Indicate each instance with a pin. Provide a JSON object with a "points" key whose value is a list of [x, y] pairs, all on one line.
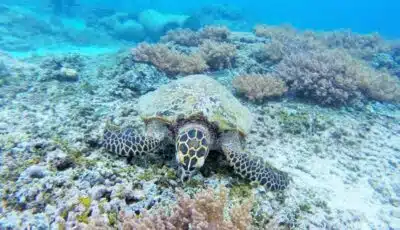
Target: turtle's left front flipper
{"points": [[130, 143], [252, 168]]}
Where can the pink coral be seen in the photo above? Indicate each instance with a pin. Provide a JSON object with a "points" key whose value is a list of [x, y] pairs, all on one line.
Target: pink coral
{"points": [[204, 212]]}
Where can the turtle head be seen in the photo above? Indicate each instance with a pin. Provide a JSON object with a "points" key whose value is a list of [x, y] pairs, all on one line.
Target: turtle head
{"points": [[192, 147]]}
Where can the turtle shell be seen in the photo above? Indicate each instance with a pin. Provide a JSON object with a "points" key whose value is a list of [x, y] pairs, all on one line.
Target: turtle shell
{"points": [[196, 96]]}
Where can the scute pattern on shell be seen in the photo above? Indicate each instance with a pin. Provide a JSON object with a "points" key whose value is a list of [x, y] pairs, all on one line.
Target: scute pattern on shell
{"points": [[193, 96]]}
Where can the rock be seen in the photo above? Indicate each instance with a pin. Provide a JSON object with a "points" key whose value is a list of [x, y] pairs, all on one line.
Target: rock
{"points": [[395, 213], [60, 160], [129, 30], [157, 23], [36, 171], [134, 196], [141, 79], [99, 192], [68, 74]]}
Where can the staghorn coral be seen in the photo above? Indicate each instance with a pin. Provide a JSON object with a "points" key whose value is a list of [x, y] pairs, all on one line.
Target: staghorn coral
{"points": [[215, 33], [271, 52], [258, 87], [218, 55], [364, 46], [171, 61], [204, 211], [284, 40], [333, 77], [185, 37], [326, 77], [378, 85], [279, 32]]}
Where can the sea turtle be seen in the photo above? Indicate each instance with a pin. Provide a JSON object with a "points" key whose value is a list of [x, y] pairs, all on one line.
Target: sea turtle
{"points": [[197, 114]]}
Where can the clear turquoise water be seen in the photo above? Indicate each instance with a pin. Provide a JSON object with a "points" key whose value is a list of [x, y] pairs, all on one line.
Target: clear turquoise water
{"points": [[360, 15]]}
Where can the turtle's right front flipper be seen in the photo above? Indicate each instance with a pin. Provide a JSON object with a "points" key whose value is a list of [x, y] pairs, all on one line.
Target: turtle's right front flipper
{"points": [[252, 168], [128, 143]]}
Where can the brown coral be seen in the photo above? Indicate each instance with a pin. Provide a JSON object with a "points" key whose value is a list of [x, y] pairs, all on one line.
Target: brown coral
{"points": [[284, 40], [278, 32], [364, 46], [184, 37], [171, 61], [333, 77], [271, 52], [258, 87], [218, 55], [215, 33], [204, 212]]}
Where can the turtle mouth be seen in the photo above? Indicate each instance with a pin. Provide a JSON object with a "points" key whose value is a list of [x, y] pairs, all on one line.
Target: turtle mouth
{"points": [[185, 174]]}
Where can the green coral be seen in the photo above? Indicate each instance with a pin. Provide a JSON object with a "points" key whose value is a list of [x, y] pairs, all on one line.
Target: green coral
{"points": [[64, 214], [300, 122], [85, 201], [83, 218], [193, 183], [88, 87], [112, 218], [157, 171], [240, 191], [76, 155], [147, 175], [305, 208]]}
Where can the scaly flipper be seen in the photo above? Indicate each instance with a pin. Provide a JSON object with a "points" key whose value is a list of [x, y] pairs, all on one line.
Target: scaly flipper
{"points": [[252, 168], [129, 143]]}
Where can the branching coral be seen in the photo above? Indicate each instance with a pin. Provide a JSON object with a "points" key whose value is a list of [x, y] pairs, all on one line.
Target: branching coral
{"points": [[378, 85], [333, 77], [184, 37], [215, 33], [284, 40], [218, 55], [171, 61], [281, 33], [258, 87], [187, 37], [271, 52], [204, 211], [358, 45]]}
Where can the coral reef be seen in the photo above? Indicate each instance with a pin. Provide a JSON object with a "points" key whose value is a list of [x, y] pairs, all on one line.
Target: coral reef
{"points": [[205, 211], [275, 32], [215, 33], [258, 87], [359, 45], [171, 61], [272, 52], [333, 77], [218, 55], [188, 37], [65, 68], [184, 37], [54, 173]]}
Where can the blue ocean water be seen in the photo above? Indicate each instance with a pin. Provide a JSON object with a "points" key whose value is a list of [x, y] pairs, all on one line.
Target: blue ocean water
{"points": [[358, 15], [76, 16]]}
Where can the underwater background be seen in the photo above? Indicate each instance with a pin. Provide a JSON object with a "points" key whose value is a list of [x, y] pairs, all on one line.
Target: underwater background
{"points": [[304, 94]]}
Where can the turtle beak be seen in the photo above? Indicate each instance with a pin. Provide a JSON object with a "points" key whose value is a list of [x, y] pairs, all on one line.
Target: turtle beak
{"points": [[184, 174]]}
